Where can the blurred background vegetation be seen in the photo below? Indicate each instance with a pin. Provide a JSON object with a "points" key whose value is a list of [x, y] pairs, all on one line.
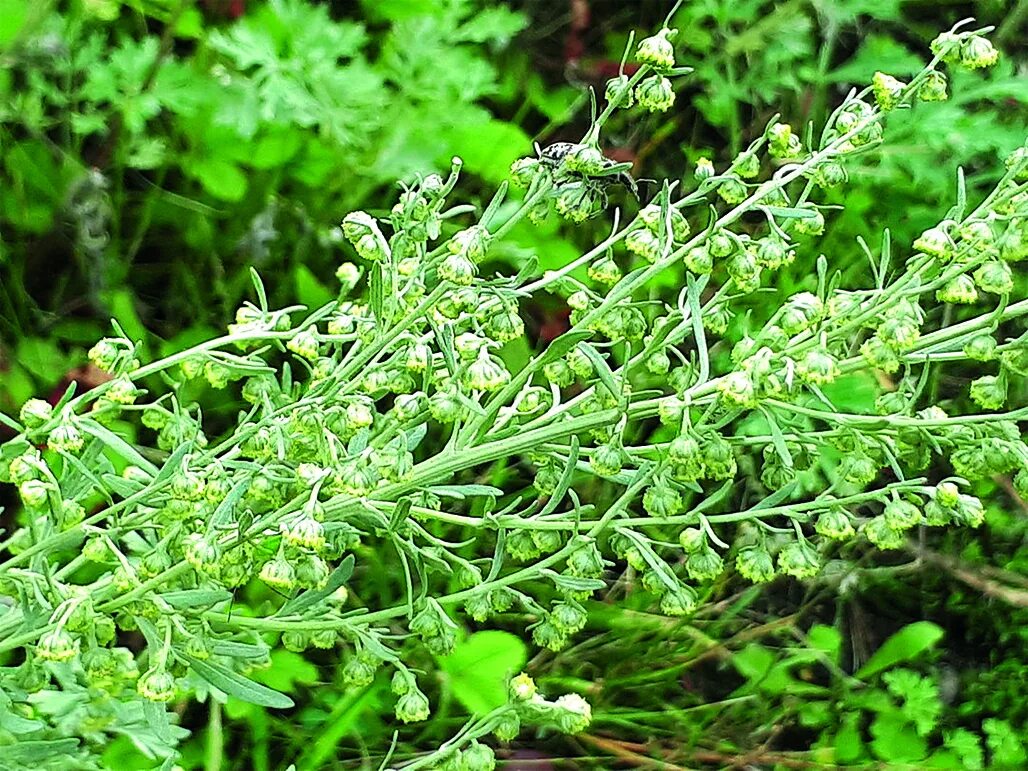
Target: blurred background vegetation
{"points": [[152, 151]]}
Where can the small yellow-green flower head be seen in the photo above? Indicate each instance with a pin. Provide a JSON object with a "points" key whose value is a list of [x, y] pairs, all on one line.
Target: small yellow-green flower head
{"points": [[278, 573], [522, 687], [887, 90], [977, 53], [57, 645], [655, 94], [157, 684], [958, 290], [66, 438], [704, 170], [413, 706], [573, 713], [799, 559], [657, 50], [35, 412], [618, 93], [933, 88]]}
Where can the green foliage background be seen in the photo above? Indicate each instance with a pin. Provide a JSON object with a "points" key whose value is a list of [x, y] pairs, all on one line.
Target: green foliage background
{"points": [[152, 151]]}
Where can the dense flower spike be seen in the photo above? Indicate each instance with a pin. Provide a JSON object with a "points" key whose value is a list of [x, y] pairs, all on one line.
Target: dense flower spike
{"points": [[654, 424]]}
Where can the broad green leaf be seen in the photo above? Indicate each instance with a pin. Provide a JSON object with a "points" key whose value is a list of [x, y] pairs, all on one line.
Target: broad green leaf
{"points": [[855, 392], [849, 746], [221, 178], [234, 684], [287, 670], [489, 148], [480, 666], [753, 662], [13, 14], [907, 644], [827, 639], [895, 739]]}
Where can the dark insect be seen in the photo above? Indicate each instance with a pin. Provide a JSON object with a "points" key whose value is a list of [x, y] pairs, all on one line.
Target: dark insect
{"points": [[613, 172]]}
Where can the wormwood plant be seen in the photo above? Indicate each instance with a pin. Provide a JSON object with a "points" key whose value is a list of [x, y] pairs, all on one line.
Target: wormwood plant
{"points": [[394, 423]]}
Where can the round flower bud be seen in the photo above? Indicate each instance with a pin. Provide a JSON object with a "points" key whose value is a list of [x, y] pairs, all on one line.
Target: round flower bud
{"points": [[969, 511], [559, 373], [486, 373], [678, 601], [933, 88], [605, 271], [755, 564], [458, 268], [573, 713], [472, 242], [935, 242], [661, 499], [858, 468], [880, 355], [34, 493], [524, 170], [978, 52], [278, 573], [981, 348], [586, 160], [704, 170], [959, 290], [607, 460], [657, 50], [704, 564], [522, 687], [105, 354], [478, 757], [830, 174], [304, 531], [57, 645], [989, 391], [408, 406], [800, 312], [618, 93], [508, 727], [66, 438], [199, 552], [578, 201], [643, 243], [783, 143], [548, 635], [773, 252], [737, 389], [994, 276], [746, 164], [412, 706], [655, 94], [834, 523], [732, 189], [658, 363], [569, 617], [887, 90], [818, 367], [799, 559], [305, 344], [699, 260], [586, 561], [878, 532], [157, 684], [35, 412], [901, 515], [359, 671], [813, 225], [656, 220]]}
